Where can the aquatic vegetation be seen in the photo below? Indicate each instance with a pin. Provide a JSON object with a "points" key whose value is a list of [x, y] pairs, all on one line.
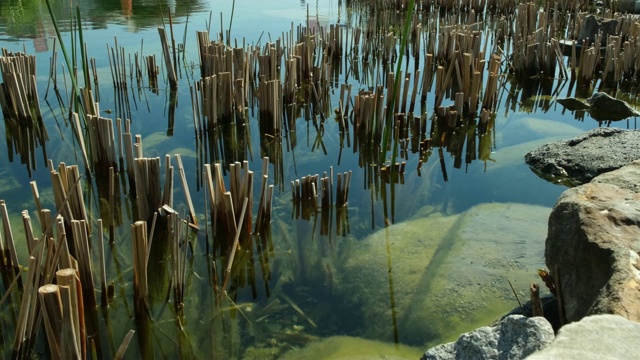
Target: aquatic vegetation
{"points": [[219, 252]]}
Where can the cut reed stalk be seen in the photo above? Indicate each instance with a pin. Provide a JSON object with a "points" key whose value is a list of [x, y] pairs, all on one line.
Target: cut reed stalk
{"points": [[8, 241], [140, 250], [29, 311], [69, 278], [234, 247], [185, 186], [147, 187], [83, 256], [50, 301], [171, 73], [103, 271]]}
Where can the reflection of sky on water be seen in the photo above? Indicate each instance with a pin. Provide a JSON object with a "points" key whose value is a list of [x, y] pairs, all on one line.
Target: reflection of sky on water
{"points": [[134, 22], [30, 19]]}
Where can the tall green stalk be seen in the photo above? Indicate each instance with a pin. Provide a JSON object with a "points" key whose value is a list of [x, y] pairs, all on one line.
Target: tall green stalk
{"points": [[83, 52], [396, 83], [233, 8], [70, 66]]}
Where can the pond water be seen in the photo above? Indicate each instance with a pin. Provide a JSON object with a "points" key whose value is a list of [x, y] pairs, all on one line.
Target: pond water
{"points": [[405, 265]]}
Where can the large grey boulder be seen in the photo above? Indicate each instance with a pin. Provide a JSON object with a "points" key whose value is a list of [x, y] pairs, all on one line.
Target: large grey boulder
{"points": [[593, 242], [578, 160], [515, 337], [594, 337]]}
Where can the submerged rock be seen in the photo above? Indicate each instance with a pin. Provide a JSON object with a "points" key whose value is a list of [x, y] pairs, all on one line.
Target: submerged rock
{"points": [[601, 107], [514, 337], [594, 337], [580, 159], [593, 242], [573, 104], [398, 257], [444, 275]]}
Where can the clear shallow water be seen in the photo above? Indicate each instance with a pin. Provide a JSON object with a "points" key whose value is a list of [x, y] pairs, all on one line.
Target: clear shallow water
{"points": [[305, 263]]}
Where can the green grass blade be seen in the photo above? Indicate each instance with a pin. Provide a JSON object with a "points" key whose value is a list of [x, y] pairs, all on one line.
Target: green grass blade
{"points": [[83, 52], [396, 83], [74, 82]]}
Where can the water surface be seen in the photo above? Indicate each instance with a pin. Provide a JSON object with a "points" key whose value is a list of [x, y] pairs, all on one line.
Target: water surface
{"points": [[300, 297]]}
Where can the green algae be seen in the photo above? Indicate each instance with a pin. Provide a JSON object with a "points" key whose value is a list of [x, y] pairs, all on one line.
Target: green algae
{"points": [[352, 348], [466, 286], [398, 254], [444, 275]]}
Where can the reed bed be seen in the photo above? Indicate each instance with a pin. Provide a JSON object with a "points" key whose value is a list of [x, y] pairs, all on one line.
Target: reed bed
{"points": [[148, 187], [536, 50], [103, 143], [312, 193], [456, 58], [232, 219], [226, 206], [18, 92], [225, 78], [178, 232], [61, 304], [67, 191], [449, 80]]}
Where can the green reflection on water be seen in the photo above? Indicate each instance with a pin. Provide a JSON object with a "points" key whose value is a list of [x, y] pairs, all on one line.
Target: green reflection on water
{"points": [[20, 19]]}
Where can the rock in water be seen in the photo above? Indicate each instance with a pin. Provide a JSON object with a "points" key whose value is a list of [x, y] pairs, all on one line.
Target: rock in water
{"points": [[515, 337], [580, 159], [594, 337], [603, 107], [573, 104], [593, 242]]}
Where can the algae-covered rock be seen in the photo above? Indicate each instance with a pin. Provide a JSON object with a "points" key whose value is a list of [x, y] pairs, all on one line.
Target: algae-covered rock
{"points": [[394, 257], [352, 348], [448, 275]]}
